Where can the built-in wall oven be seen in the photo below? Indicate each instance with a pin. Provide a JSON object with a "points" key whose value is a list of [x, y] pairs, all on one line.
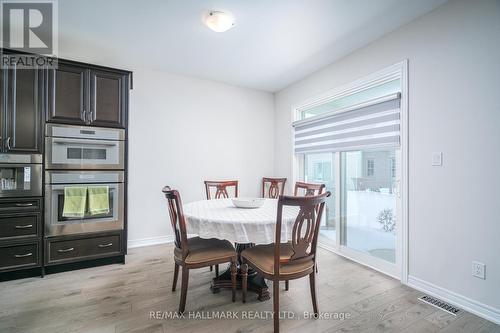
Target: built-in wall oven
{"points": [[20, 175], [58, 183], [84, 179], [81, 147]]}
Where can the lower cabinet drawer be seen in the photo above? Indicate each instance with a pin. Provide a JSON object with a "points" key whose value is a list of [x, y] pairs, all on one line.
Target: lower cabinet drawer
{"points": [[84, 248], [18, 256], [20, 205], [19, 225]]}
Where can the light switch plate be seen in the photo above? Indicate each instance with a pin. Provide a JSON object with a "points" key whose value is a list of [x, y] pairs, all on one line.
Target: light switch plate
{"points": [[479, 270], [437, 159]]}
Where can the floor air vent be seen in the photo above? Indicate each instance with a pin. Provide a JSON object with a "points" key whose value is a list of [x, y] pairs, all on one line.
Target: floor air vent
{"points": [[440, 304]]}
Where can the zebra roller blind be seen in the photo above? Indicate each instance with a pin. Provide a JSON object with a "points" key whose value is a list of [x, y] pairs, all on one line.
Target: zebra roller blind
{"points": [[372, 124]]}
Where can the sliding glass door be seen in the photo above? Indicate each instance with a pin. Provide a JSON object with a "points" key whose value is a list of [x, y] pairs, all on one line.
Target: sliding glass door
{"points": [[353, 142], [369, 204], [362, 214]]}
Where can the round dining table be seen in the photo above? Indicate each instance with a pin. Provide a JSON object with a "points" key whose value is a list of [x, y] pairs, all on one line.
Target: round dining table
{"points": [[245, 227]]}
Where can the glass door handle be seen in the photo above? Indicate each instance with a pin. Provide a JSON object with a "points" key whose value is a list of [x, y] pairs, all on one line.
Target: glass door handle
{"points": [[8, 143]]}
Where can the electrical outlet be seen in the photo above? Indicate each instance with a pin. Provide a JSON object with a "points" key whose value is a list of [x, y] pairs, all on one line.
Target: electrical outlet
{"points": [[479, 270]]}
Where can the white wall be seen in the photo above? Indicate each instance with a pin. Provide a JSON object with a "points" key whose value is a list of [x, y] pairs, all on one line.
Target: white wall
{"points": [[454, 107], [185, 130]]}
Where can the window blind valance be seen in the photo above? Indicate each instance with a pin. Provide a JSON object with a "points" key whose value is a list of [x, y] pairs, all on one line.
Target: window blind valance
{"points": [[372, 124]]}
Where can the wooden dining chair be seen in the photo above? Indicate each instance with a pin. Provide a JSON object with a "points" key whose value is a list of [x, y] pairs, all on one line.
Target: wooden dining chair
{"points": [[308, 189], [291, 260], [220, 188], [195, 252], [220, 193], [274, 186], [305, 189]]}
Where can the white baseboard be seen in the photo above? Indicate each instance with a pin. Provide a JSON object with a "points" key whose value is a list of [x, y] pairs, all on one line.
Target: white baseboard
{"points": [[465, 303], [150, 241]]}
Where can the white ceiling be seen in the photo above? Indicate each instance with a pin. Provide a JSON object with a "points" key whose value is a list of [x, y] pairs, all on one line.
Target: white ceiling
{"points": [[274, 42]]}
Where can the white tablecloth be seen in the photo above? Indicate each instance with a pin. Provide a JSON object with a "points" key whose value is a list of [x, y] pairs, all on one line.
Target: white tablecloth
{"points": [[220, 219]]}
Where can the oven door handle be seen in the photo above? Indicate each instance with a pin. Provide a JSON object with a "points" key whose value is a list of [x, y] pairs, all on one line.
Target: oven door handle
{"points": [[84, 143]]}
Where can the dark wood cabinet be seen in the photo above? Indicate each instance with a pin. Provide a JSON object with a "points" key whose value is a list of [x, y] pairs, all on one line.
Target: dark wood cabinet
{"points": [[19, 256], [108, 98], [84, 95], [20, 233], [19, 225], [68, 94], [82, 248], [22, 98], [72, 93], [20, 205]]}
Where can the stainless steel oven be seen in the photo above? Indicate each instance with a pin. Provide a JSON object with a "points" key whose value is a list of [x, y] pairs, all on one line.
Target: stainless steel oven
{"points": [[20, 175], [56, 223], [81, 147]]}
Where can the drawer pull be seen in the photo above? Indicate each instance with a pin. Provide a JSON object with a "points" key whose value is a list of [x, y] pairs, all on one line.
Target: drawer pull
{"points": [[23, 255], [66, 250], [27, 204], [105, 245], [27, 226]]}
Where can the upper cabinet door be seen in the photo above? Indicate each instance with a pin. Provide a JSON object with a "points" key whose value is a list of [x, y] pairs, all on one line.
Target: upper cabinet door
{"points": [[108, 94], [23, 114], [68, 95]]}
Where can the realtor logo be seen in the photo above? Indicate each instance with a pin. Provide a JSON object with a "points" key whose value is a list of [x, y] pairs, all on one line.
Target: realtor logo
{"points": [[29, 26]]}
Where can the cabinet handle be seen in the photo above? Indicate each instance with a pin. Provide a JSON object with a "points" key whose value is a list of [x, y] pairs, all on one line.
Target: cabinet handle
{"points": [[27, 226], [66, 250], [28, 204], [85, 117], [23, 255], [105, 245], [8, 143], [92, 112]]}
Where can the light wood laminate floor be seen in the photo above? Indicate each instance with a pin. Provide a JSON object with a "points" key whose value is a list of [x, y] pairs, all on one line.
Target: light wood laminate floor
{"points": [[120, 298]]}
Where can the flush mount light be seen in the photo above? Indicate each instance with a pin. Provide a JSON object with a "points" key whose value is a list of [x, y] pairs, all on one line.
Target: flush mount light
{"points": [[219, 21]]}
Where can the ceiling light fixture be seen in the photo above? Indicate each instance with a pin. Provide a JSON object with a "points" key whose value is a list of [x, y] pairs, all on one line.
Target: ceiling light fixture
{"points": [[219, 21]]}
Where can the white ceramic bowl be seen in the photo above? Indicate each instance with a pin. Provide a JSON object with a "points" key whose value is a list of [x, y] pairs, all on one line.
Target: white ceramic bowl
{"points": [[248, 202]]}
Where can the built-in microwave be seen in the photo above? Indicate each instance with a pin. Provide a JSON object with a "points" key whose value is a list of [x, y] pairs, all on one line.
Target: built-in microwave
{"points": [[20, 175], [80, 147], [56, 223]]}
